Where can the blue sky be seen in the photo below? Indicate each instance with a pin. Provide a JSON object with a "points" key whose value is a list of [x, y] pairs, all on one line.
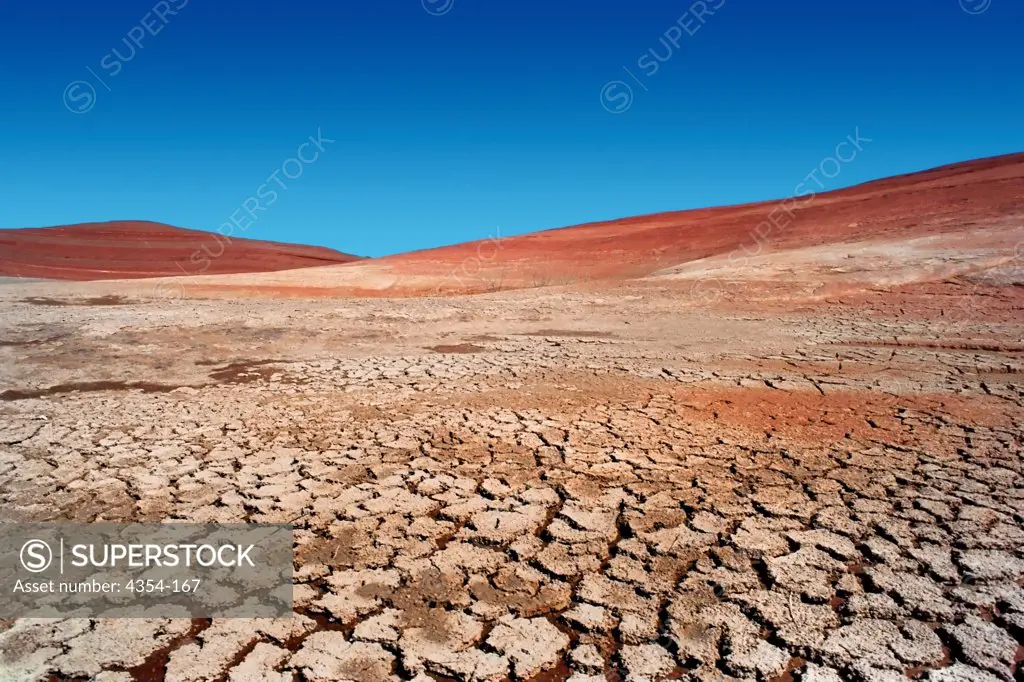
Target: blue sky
{"points": [[454, 119]]}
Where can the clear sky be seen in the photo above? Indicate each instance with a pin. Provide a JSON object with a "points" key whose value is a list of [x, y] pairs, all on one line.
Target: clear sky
{"points": [[452, 119]]}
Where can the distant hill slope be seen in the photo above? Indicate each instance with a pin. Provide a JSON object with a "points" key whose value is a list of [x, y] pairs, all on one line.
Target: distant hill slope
{"points": [[958, 205], [940, 200], [955, 202], [128, 249]]}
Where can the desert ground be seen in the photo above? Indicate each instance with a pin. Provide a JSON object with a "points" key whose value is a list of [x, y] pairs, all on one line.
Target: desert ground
{"points": [[803, 464]]}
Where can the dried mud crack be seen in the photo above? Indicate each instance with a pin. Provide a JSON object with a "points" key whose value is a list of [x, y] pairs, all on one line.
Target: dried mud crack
{"points": [[761, 494]]}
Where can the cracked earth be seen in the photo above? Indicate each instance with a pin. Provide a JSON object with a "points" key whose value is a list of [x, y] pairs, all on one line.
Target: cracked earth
{"points": [[543, 485]]}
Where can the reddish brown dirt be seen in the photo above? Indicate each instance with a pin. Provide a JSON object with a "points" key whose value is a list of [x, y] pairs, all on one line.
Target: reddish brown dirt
{"points": [[135, 249], [946, 199], [558, 482], [934, 226], [809, 418], [929, 300], [951, 200]]}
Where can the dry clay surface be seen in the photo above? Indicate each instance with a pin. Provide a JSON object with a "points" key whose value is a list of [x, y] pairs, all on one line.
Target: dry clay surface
{"points": [[542, 485]]}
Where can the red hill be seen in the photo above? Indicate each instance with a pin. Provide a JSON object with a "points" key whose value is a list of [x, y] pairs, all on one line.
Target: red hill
{"points": [[128, 249]]}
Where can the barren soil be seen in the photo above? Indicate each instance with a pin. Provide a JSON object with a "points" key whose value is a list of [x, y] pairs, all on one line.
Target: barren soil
{"points": [[124, 249], [813, 474], [939, 204]]}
